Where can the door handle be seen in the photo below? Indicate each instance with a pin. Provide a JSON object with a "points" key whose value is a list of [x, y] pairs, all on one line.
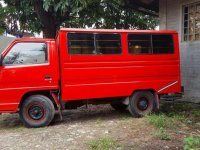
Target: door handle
{"points": [[48, 77]]}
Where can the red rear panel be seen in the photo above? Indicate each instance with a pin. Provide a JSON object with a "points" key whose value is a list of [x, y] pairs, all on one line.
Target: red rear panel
{"points": [[102, 76]]}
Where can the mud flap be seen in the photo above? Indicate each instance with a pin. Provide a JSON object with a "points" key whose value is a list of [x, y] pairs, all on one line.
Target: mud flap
{"points": [[58, 105], [157, 100]]}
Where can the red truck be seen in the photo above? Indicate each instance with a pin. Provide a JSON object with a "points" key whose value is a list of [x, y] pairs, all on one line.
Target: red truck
{"points": [[130, 69]]}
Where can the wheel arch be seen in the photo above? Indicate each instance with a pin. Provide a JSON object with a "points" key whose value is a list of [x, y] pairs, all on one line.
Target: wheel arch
{"points": [[46, 93]]}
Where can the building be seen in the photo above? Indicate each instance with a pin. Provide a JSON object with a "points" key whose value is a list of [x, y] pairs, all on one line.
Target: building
{"points": [[4, 42], [184, 17]]}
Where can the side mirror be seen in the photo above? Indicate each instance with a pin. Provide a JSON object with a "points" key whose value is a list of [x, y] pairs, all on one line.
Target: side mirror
{"points": [[1, 59]]}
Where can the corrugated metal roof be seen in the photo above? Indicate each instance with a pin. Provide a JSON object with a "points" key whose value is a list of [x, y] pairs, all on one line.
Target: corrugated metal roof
{"points": [[150, 7]]}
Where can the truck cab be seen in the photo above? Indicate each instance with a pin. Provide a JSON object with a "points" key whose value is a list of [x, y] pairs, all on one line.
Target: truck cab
{"points": [[27, 66]]}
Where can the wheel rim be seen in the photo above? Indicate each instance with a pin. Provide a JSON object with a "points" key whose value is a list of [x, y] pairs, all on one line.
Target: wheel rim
{"points": [[143, 104], [36, 112]]}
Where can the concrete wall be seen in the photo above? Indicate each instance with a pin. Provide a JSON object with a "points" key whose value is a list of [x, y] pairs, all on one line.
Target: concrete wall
{"points": [[4, 42], [171, 18]]}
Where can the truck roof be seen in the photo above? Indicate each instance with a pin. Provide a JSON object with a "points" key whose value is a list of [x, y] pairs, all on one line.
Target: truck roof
{"points": [[34, 39], [118, 30]]}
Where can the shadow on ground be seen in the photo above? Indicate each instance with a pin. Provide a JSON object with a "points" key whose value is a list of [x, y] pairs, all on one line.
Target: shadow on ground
{"points": [[104, 113], [93, 113], [83, 114]]}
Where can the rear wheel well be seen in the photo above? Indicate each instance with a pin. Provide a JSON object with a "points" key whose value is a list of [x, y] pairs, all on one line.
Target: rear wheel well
{"points": [[150, 90], [45, 93]]}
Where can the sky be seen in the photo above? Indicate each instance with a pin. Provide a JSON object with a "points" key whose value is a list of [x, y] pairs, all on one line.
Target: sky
{"points": [[3, 4]]}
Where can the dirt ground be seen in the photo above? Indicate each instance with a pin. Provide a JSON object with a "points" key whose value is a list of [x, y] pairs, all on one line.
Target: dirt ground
{"points": [[82, 125]]}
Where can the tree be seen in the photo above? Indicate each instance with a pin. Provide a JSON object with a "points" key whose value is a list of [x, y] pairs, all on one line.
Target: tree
{"points": [[49, 15], [46, 15], [9, 20], [113, 14], [2, 24]]}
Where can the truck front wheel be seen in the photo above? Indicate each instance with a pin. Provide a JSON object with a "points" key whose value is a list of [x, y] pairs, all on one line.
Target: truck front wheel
{"points": [[141, 103], [37, 111]]}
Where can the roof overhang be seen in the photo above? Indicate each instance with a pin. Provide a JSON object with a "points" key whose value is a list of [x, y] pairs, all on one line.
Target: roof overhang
{"points": [[149, 7]]}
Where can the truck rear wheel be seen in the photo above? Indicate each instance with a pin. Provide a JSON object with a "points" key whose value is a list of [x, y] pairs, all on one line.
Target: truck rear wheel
{"points": [[141, 103], [37, 111]]}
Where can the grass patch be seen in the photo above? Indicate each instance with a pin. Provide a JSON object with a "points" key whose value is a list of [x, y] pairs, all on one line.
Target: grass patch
{"points": [[187, 113], [192, 143], [103, 144], [178, 117], [196, 113], [172, 113], [160, 121], [163, 135]]}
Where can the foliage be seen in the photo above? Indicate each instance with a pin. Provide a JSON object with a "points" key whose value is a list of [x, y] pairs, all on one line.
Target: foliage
{"points": [[171, 114], [2, 24], [163, 134], [38, 15], [187, 113], [161, 121], [22, 12], [110, 14], [192, 143], [197, 113], [103, 144]]}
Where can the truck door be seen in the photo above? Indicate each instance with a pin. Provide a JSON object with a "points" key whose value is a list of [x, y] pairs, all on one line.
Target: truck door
{"points": [[25, 67]]}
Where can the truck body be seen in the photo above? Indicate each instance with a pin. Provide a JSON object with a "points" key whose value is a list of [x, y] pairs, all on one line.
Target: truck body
{"points": [[85, 66]]}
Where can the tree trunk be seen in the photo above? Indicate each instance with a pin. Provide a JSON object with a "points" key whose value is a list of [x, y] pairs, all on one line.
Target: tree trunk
{"points": [[49, 32], [46, 18]]}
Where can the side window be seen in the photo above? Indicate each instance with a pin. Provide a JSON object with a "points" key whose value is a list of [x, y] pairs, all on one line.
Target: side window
{"points": [[81, 43], [108, 43], [84, 43], [163, 44], [139, 44], [150, 44], [26, 53]]}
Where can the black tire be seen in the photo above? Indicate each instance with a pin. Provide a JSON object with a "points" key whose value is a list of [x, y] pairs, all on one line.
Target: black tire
{"points": [[141, 103], [119, 106], [37, 111]]}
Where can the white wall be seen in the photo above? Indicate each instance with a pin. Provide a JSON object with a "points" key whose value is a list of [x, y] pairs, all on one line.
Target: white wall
{"points": [[4, 42], [171, 19]]}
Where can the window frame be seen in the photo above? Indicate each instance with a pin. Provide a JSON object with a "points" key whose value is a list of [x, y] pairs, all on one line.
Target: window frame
{"points": [[94, 40], [18, 65], [188, 24], [151, 34], [139, 53]]}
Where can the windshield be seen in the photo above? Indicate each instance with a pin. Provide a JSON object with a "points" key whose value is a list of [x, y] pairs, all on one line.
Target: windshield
{"points": [[26, 53]]}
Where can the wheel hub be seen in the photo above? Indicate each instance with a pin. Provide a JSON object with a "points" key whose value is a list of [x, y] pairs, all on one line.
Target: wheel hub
{"points": [[143, 104], [36, 112]]}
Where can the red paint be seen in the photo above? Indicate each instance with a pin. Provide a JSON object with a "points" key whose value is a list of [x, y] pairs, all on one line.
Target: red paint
{"points": [[15, 81], [90, 76]]}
